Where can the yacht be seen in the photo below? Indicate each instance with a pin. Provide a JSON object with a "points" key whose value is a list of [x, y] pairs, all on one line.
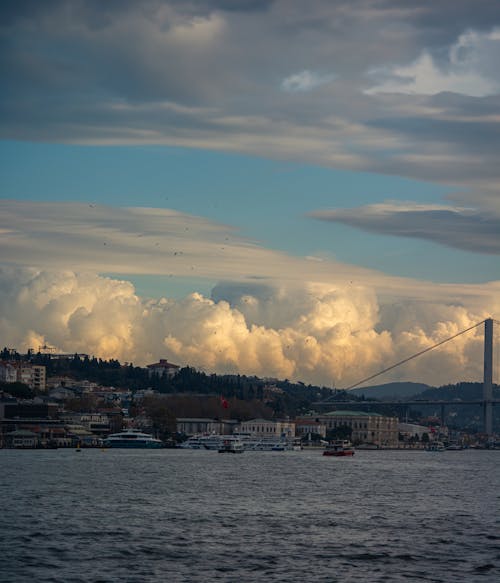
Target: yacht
{"points": [[132, 438]]}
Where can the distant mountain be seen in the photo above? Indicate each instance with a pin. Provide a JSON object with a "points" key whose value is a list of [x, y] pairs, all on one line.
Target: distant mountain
{"points": [[391, 390]]}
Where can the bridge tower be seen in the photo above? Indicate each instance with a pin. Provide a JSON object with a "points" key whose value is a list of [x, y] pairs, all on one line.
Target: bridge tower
{"points": [[488, 376]]}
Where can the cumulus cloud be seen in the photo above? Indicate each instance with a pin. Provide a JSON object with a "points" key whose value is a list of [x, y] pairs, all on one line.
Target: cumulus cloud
{"points": [[319, 334], [463, 228]]}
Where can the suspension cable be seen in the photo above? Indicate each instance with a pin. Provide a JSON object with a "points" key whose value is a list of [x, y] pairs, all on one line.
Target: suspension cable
{"points": [[412, 357]]}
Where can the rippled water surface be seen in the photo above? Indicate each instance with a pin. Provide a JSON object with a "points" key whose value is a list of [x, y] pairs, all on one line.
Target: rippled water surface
{"points": [[198, 516]]}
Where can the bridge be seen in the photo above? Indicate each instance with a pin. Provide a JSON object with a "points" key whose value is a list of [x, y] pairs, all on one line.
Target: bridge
{"points": [[486, 402]]}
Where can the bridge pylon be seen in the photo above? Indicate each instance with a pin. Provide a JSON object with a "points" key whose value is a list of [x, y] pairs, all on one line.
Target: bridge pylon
{"points": [[488, 376]]}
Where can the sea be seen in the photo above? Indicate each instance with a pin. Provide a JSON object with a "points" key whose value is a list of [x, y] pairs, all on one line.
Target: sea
{"points": [[191, 516]]}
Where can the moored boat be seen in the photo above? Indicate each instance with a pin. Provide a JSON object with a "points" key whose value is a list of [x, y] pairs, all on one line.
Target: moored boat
{"points": [[435, 446], [132, 438], [339, 448], [231, 445]]}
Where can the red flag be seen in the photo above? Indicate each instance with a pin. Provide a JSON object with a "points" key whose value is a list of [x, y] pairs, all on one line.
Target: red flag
{"points": [[224, 403]]}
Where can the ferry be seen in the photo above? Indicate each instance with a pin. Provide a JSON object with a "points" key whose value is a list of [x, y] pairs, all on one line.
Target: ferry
{"points": [[339, 448], [132, 438], [435, 446], [231, 445], [212, 442]]}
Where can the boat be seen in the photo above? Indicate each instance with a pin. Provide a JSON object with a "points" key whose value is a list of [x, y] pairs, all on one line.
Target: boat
{"points": [[454, 447], [212, 442], [132, 438], [339, 448], [231, 445], [435, 446]]}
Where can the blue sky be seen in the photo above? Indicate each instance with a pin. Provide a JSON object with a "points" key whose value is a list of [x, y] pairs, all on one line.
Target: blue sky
{"points": [[266, 200], [246, 187]]}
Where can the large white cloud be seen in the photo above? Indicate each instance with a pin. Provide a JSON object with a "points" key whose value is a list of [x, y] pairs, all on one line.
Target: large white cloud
{"points": [[321, 334]]}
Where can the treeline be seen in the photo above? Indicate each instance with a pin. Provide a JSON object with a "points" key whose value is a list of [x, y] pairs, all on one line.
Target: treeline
{"points": [[286, 399]]}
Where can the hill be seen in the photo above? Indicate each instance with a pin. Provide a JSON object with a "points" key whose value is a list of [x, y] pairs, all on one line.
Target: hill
{"points": [[402, 390]]}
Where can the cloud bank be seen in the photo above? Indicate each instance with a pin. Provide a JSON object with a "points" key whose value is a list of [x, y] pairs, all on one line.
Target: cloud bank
{"points": [[194, 74], [465, 229], [317, 334]]}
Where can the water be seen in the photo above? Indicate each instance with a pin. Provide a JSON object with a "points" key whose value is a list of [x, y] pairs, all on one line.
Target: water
{"points": [[197, 516]]}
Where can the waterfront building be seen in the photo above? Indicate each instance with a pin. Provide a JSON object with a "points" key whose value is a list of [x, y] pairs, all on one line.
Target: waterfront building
{"points": [[409, 430], [95, 423], [366, 427], [195, 426], [21, 439], [267, 428], [304, 427]]}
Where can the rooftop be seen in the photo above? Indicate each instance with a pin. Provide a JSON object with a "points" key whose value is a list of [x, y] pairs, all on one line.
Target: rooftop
{"points": [[351, 414]]}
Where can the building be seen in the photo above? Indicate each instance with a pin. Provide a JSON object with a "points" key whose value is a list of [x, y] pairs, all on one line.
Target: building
{"points": [[95, 423], [162, 369], [28, 374], [8, 373], [22, 439], [304, 427], [38, 378], [365, 427], [267, 428], [194, 426]]}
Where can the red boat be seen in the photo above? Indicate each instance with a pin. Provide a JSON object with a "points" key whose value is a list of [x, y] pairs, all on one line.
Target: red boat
{"points": [[339, 448]]}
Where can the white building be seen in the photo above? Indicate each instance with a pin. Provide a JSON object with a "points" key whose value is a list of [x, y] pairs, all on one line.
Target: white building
{"points": [[8, 373], [162, 368], [266, 428], [309, 426], [29, 374], [195, 425], [366, 427]]}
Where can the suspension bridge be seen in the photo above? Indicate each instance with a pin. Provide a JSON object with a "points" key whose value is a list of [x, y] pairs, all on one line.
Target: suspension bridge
{"points": [[487, 401]]}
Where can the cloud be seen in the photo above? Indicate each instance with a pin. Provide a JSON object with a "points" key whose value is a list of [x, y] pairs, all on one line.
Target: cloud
{"points": [[469, 69], [192, 74], [317, 334], [462, 228], [305, 81], [145, 241]]}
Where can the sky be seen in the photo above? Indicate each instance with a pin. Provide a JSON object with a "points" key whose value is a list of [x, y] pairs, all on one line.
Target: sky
{"points": [[252, 186]]}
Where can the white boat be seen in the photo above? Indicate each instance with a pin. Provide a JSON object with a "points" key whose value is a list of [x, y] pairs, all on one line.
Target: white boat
{"points": [[212, 442], [132, 438], [256, 444], [435, 446], [231, 445]]}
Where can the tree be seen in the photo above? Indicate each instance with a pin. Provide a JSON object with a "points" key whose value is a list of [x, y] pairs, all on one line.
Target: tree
{"points": [[340, 432], [17, 390], [163, 420]]}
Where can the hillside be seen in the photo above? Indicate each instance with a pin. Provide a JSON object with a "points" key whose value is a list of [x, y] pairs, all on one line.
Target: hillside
{"points": [[403, 390]]}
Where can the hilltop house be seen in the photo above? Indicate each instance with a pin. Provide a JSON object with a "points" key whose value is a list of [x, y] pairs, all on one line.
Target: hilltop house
{"points": [[162, 368]]}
